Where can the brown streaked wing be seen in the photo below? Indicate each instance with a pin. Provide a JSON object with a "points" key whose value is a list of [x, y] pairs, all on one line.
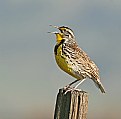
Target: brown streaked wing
{"points": [[83, 61]]}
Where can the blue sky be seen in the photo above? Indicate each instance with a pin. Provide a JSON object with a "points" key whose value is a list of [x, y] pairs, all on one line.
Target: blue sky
{"points": [[29, 76]]}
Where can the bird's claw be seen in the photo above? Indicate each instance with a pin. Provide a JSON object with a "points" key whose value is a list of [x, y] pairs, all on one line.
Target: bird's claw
{"points": [[70, 89]]}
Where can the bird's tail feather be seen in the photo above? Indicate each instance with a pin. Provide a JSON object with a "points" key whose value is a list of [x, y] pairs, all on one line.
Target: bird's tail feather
{"points": [[99, 85]]}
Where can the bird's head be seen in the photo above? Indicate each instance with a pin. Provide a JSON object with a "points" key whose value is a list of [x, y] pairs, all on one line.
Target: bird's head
{"points": [[66, 31]]}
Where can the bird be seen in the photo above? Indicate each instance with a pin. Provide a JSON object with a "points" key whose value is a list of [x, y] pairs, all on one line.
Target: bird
{"points": [[73, 60]]}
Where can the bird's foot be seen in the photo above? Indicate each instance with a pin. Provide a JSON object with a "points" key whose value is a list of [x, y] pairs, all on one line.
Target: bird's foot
{"points": [[70, 89], [67, 87]]}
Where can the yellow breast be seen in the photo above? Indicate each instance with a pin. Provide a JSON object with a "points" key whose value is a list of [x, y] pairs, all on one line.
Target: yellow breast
{"points": [[62, 61]]}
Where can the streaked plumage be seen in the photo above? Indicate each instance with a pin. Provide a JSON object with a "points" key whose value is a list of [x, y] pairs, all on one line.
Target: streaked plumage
{"points": [[73, 60]]}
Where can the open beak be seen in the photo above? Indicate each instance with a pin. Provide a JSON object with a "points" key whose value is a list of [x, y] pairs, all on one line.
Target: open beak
{"points": [[54, 26], [53, 32]]}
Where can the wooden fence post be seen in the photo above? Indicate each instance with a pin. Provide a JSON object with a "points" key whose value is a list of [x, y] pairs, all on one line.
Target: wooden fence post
{"points": [[71, 105]]}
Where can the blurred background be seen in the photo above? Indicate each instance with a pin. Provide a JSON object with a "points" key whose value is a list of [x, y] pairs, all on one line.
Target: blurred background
{"points": [[29, 76]]}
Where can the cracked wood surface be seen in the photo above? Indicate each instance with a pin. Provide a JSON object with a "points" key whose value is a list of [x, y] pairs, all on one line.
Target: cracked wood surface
{"points": [[71, 105]]}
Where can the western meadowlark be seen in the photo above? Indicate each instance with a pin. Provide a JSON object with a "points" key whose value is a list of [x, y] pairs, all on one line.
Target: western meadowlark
{"points": [[73, 60]]}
